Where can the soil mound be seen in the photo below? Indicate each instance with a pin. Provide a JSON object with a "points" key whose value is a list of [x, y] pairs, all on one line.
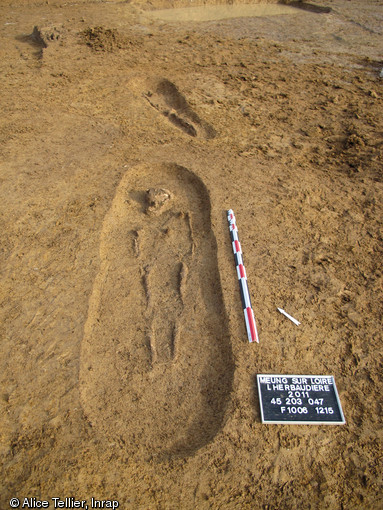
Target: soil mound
{"points": [[104, 39]]}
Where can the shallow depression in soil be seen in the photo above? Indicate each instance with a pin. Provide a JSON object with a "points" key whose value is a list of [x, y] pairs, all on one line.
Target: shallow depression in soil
{"points": [[218, 12]]}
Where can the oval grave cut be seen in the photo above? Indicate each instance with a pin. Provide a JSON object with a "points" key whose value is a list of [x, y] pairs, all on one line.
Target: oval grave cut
{"points": [[156, 362]]}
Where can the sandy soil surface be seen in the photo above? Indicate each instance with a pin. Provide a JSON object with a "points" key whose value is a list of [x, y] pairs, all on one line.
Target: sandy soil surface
{"points": [[126, 373]]}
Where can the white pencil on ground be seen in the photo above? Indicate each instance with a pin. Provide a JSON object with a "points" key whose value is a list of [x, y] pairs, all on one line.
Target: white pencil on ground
{"points": [[289, 317]]}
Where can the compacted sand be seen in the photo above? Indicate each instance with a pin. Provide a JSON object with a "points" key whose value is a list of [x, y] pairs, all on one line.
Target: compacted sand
{"points": [[126, 134]]}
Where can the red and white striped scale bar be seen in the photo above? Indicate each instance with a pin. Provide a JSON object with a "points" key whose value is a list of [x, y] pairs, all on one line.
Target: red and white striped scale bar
{"points": [[251, 327]]}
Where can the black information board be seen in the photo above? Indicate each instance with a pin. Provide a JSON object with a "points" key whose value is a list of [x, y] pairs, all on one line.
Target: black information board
{"points": [[299, 399]]}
